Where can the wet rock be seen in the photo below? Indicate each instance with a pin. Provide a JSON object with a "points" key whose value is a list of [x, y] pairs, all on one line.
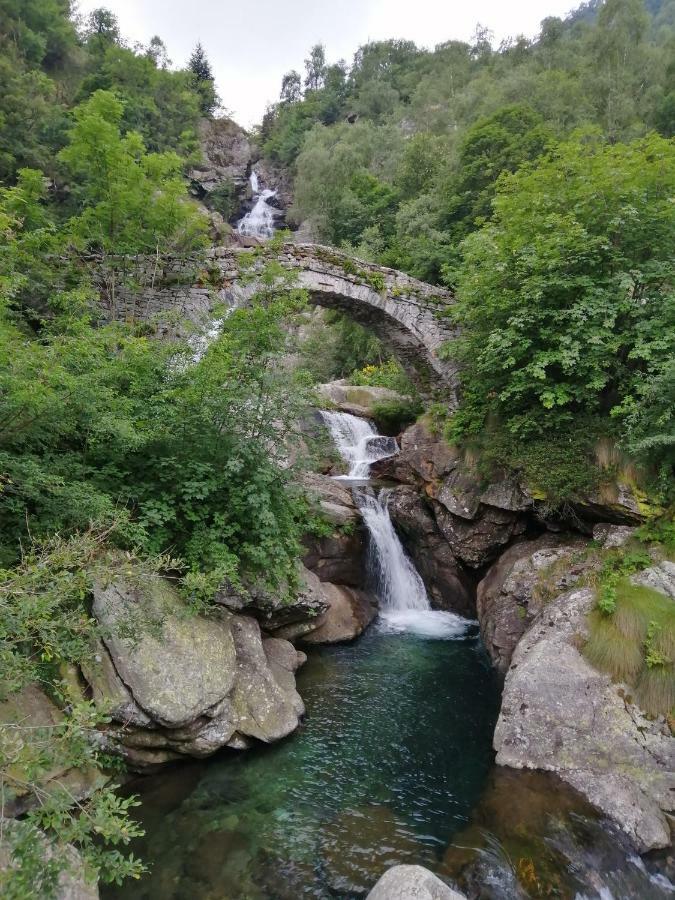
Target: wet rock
{"points": [[447, 585], [412, 883], [561, 715], [349, 613], [515, 588]]}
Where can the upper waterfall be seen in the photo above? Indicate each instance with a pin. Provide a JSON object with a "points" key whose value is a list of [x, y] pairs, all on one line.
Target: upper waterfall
{"points": [[259, 221], [357, 442]]}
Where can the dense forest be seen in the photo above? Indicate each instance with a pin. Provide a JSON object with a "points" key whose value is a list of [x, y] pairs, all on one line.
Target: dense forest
{"points": [[535, 179]]}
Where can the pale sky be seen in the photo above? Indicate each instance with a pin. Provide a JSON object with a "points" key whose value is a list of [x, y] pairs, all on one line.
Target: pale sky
{"points": [[251, 44]]}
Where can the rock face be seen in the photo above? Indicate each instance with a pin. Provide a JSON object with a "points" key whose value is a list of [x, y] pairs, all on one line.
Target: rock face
{"points": [[561, 715], [226, 152], [511, 594], [412, 883], [447, 585], [186, 685]]}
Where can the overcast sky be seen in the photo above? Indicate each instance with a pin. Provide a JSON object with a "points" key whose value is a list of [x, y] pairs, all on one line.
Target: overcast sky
{"points": [[251, 44]]}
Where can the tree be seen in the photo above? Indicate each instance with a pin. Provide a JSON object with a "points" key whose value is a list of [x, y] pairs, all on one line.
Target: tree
{"points": [[133, 201], [203, 81], [291, 87], [315, 67], [566, 298], [199, 65]]}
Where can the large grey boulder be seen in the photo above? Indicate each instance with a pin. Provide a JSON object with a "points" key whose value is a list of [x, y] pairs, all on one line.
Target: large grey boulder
{"points": [[447, 585], [561, 715], [180, 684], [412, 883]]}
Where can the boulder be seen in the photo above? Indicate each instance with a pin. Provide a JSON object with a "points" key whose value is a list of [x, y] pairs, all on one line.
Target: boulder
{"points": [[274, 609], [179, 684], [349, 613], [447, 585], [72, 881], [561, 715], [660, 577], [412, 883], [423, 457], [515, 587]]}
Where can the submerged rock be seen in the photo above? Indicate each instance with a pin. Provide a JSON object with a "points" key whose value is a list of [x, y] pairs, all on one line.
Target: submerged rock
{"points": [[179, 684], [561, 715], [412, 883]]}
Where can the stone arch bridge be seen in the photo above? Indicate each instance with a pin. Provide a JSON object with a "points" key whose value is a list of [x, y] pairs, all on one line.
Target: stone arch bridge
{"points": [[410, 316]]}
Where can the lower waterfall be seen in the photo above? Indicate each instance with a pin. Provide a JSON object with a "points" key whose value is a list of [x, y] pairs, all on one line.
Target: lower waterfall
{"points": [[404, 604]]}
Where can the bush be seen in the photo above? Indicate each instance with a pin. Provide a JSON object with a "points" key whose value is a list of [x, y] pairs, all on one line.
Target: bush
{"points": [[392, 416]]}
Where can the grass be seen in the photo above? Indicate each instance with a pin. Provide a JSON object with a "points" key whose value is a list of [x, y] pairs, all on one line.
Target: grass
{"points": [[636, 644]]}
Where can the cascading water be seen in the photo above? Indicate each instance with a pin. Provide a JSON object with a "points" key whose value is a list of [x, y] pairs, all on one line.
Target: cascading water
{"points": [[259, 222], [404, 604], [357, 443]]}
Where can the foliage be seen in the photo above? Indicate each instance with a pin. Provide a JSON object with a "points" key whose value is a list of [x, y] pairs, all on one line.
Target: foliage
{"points": [[636, 644], [392, 416], [388, 374], [566, 299], [335, 346], [44, 626]]}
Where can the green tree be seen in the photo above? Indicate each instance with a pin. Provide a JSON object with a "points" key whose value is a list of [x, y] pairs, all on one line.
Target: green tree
{"points": [[291, 87], [315, 67], [567, 297], [133, 200]]}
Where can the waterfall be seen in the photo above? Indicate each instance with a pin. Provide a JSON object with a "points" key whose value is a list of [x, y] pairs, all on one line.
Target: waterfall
{"points": [[404, 604], [259, 222], [357, 442]]}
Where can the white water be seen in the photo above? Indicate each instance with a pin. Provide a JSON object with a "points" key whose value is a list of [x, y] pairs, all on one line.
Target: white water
{"points": [[404, 604], [259, 222], [357, 442]]}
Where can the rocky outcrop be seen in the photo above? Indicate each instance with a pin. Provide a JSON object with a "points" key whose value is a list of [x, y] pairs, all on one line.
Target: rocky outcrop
{"points": [[349, 613], [185, 685], [358, 400], [446, 583], [514, 590], [226, 156], [412, 883], [338, 557], [561, 715]]}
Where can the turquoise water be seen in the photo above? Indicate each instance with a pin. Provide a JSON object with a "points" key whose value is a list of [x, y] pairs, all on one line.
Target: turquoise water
{"points": [[388, 766]]}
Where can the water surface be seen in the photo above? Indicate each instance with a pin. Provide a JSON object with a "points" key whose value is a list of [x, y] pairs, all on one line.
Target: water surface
{"points": [[391, 761]]}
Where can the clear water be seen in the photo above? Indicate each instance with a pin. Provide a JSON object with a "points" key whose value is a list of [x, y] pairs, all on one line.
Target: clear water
{"points": [[388, 766]]}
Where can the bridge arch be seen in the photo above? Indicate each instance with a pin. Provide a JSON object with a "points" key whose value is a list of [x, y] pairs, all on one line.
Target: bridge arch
{"points": [[408, 315]]}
